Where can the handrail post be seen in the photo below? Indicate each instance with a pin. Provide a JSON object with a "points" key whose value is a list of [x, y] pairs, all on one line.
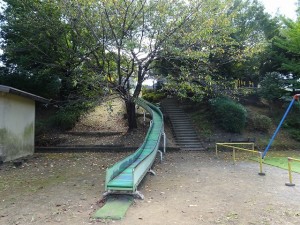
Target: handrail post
{"points": [[290, 184]]}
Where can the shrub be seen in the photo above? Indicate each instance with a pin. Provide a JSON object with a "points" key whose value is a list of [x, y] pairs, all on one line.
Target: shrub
{"points": [[295, 134], [229, 115], [271, 87], [66, 117], [153, 96], [261, 122]]}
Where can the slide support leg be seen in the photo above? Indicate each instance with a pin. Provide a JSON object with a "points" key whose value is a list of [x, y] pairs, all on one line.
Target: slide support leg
{"points": [[165, 141], [152, 172], [138, 195], [161, 155]]}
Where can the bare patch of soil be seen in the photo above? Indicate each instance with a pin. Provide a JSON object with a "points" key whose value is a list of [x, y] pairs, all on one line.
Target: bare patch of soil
{"points": [[105, 125]]}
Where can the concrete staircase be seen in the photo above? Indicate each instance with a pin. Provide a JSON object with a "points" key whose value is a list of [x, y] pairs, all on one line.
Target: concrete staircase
{"points": [[183, 129]]}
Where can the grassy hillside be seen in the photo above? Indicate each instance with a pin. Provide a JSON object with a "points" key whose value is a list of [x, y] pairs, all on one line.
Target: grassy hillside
{"points": [[287, 139]]}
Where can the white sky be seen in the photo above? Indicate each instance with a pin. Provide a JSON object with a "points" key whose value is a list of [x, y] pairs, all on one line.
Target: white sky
{"points": [[284, 7]]}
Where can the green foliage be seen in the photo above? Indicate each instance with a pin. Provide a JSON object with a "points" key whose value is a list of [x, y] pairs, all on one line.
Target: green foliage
{"points": [[65, 118], [228, 51], [92, 45], [272, 87], [46, 86], [153, 96], [251, 18], [292, 122], [229, 115], [288, 42], [41, 51], [294, 133], [202, 119], [261, 122]]}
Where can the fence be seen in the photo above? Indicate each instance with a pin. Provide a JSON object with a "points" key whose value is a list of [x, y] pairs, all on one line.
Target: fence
{"points": [[290, 160], [234, 148]]}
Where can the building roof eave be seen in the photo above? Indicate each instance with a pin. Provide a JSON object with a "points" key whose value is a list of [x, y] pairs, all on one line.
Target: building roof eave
{"points": [[11, 90]]}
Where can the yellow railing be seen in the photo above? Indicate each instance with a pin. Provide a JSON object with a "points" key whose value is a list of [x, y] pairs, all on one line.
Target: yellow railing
{"points": [[234, 148], [290, 160]]}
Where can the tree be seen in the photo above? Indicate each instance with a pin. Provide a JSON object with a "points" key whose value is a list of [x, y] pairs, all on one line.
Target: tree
{"points": [[255, 30], [41, 49], [235, 48], [136, 34], [272, 87], [112, 44], [288, 42]]}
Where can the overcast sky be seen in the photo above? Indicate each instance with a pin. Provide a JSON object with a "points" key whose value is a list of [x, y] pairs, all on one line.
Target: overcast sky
{"points": [[284, 7]]}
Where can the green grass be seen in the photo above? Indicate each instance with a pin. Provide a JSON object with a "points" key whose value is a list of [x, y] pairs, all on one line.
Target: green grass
{"points": [[282, 163], [279, 159]]}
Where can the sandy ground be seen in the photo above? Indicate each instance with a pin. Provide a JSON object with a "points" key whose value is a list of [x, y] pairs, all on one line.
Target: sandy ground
{"points": [[189, 188]]}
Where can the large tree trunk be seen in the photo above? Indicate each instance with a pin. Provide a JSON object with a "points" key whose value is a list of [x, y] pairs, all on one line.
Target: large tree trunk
{"points": [[130, 107], [131, 114]]}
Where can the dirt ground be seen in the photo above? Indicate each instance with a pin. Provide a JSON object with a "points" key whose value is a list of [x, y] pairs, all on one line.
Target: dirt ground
{"points": [[189, 188], [108, 117]]}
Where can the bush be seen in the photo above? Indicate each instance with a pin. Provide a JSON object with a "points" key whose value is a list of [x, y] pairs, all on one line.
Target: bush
{"points": [[295, 134], [230, 115], [261, 122], [272, 87], [65, 118], [153, 96]]}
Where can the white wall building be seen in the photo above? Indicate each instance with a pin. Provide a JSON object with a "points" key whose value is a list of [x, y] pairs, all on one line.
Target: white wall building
{"points": [[17, 121]]}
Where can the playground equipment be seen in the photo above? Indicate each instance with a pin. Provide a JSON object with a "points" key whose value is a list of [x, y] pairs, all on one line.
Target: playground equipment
{"points": [[125, 176], [234, 148], [295, 97], [290, 160]]}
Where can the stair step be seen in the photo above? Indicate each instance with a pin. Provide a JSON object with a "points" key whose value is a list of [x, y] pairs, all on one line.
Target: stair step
{"points": [[186, 137], [185, 134], [183, 137], [182, 125], [183, 128], [179, 122], [189, 141], [190, 144], [192, 149], [176, 112]]}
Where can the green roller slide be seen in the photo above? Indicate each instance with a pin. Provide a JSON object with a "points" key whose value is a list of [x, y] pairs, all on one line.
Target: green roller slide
{"points": [[125, 176]]}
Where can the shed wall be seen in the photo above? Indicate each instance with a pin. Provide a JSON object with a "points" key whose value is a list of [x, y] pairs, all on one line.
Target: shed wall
{"points": [[17, 116]]}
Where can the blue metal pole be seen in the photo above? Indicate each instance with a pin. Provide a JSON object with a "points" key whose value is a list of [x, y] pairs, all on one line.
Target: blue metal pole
{"points": [[278, 128]]}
